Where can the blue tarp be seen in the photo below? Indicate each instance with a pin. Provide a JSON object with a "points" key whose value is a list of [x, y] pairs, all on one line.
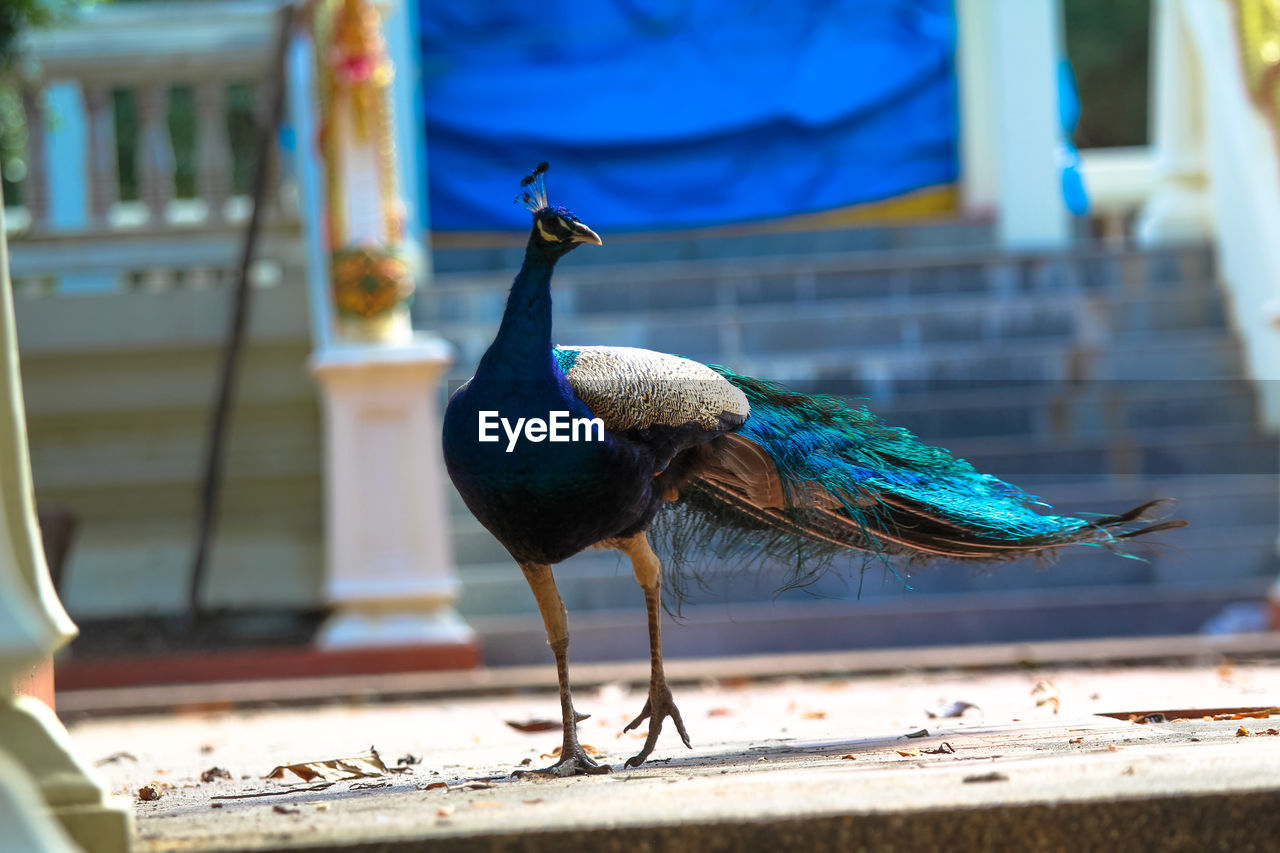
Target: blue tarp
{"points": [[674, 113]]}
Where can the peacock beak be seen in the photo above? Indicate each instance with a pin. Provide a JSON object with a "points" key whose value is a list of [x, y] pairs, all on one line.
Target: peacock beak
{"points": [[583, 234]]}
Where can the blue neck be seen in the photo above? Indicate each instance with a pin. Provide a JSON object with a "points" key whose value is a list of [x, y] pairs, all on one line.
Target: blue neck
{"points": [[522, 348]]}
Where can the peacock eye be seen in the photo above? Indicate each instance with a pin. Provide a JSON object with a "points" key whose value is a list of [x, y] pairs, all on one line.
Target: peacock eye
{"points": [[554, 229]]}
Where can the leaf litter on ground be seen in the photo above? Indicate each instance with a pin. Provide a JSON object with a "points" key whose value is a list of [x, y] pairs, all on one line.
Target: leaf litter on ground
{"points": [[335, 769], [533, 726]]}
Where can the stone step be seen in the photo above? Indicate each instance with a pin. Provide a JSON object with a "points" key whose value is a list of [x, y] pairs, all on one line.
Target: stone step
{"points": [[953, 366], [723, 312], [1208, 500], [910, 619], [449, 256], [1120, 411], [611, 284], [1220, 558], [967, 348], [1092, 409], [1214, 500], [1150, 453], [1232, 535]]}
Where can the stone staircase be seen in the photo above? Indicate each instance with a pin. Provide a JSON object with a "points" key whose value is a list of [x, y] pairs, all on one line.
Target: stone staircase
{"points": [[1096, 378]]}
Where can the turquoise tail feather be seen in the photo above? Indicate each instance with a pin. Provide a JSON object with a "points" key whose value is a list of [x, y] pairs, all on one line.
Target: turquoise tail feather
{"points": [[848, 481]]}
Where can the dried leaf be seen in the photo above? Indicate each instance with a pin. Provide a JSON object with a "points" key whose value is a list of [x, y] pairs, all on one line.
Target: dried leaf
{"points": [[1076, 740], [1242, 732], [918, 733], [849, 757], [436, 786], [408, 760], [356, 767], [1046, 694], [943, 748], [532, 726], [278, 809], [214, 773], [913, 752], [987, 777], [149, 792], [1113, 748]]}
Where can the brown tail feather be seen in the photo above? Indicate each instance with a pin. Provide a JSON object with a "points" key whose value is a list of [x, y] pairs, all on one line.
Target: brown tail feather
{"points": [[743, 478]]}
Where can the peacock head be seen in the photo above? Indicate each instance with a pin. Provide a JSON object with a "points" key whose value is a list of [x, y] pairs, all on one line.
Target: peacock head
{"points": [[555, 229]]}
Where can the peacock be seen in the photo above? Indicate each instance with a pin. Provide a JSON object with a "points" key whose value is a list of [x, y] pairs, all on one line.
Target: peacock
{"points": [[559, 449]]}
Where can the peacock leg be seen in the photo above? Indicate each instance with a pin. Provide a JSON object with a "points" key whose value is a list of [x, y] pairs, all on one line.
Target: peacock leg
{"points": [[573, 759], [659, 705]]}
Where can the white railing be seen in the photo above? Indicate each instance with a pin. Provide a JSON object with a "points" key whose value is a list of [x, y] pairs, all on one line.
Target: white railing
{"points": [[142, 54], [1218, 173]]}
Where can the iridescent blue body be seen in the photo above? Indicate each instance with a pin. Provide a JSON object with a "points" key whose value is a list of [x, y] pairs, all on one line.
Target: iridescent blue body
{"points": [[543, 501]]}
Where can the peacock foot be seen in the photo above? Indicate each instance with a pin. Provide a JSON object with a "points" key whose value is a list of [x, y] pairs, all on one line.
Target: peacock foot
{"points": [[657, 708], [574, 761]]}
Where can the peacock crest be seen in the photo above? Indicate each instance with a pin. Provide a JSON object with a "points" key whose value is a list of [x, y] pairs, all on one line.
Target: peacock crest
{"points": [[534, 189]]}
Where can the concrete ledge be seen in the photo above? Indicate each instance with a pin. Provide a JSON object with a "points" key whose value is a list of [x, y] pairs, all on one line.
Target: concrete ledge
{"points": [[870, 762], [1237, 822]]}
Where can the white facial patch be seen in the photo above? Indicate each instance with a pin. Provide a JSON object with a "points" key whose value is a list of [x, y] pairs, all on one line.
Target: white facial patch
{"points": [[545, 235]]}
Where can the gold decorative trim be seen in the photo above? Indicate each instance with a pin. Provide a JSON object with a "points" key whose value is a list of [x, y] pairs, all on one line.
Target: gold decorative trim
{"points": [[370, 281]]}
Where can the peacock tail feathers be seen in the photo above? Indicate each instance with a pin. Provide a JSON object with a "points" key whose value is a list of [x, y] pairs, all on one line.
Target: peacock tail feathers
{"points": [[809, 477]]}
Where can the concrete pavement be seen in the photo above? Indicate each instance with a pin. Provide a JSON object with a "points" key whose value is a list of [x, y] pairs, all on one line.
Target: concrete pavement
{"points": [[778, 763]]}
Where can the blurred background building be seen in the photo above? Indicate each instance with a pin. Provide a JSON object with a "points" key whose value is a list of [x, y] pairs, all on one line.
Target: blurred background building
{"points": [[1034, 232]]}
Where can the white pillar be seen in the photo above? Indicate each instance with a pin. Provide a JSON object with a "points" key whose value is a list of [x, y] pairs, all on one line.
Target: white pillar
{"points": [[1010, 126], [391, 578], [1181, 208], [975, 76], [35, 750]]}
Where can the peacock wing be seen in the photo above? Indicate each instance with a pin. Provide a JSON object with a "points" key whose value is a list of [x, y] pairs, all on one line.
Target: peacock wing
{"points": [[637, 389]]}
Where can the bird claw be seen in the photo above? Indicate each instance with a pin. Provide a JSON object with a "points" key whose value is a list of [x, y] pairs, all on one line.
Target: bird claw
{"points": [[657, 708], [574, 761]]}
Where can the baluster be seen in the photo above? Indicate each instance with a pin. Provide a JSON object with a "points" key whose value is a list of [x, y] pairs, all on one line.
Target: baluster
{"points": [[35, 187], [104, 184], [155, 152], [213, 178]]}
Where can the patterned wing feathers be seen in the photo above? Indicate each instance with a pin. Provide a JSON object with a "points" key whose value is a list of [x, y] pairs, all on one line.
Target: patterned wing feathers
{"points": [[631, 388]]}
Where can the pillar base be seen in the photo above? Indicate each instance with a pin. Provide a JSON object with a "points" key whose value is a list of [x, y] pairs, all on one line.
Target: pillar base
{"points": [[391, 581], [26, 821], [350, 628], [74, 792]]}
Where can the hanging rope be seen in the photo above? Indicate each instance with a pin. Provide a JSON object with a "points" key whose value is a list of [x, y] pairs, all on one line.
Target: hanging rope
{"points": [[268, 126]]}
